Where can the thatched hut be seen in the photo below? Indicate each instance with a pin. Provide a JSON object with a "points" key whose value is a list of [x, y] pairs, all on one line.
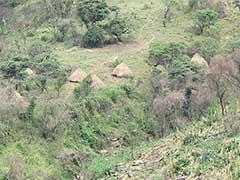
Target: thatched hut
{"points": [[20, 100], [77, 76], [96, 82], [122, 71], [199, 60]]}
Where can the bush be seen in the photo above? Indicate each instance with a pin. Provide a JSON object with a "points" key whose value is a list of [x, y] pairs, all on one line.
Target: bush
{"points": [[164, 54], [93, 38], [182, 67], [91, 11], [15, 66], [233, 44], [203, 19], [48, 65], [118, 27], [207, 47]]}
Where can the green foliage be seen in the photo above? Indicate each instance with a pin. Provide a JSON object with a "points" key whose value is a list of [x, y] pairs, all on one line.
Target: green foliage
{"points": [[28, 114], [233, 44], [84, 89], [182, 67], [60, 81], [15, 67], [42, 83], [165, 53], [193, 3], [48, 65], [59, 8], [90, 138], [170, 7], [91, 11], [181, 166], [119, 26], [203, 19], [93, 37], [207, 47], [101, 167], [116, 62]]}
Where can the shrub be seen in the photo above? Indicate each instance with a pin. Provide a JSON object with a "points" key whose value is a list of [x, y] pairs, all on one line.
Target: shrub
{"points": [[165, 54], [15, 66], [37, 48], [233, 44], [48, 65], [232, 124], [207, 47], [182, 67], [91, 11], [93, 37], [203, 19], [84, 89], [118, 27]]}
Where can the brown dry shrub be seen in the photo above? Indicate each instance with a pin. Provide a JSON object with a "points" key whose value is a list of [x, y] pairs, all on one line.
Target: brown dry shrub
{"points": [[232, 124], [165, 110]]}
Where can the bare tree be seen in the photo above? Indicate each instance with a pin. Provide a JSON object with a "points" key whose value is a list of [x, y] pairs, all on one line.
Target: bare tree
{"points": [[219, 76]]}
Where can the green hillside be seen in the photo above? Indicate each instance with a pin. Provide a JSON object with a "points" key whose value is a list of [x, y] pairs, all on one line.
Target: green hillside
{"points": [[119, 89]]}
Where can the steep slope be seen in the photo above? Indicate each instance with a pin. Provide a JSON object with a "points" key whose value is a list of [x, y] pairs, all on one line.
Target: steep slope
{"points": [[194, 153]]}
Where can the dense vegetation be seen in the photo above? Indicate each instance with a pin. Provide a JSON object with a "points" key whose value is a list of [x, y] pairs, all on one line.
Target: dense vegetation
{"points": [[87, 87]]}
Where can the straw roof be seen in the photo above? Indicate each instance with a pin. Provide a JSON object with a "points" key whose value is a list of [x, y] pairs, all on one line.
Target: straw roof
{"points": [[199, 59], [29, 71], [77, 76], [122, 71], [96, 82], [20, 100]]}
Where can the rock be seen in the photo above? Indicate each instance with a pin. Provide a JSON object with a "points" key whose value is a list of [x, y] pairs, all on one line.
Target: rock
{"points": [[103, 152], [120, 167], [122, 71]]}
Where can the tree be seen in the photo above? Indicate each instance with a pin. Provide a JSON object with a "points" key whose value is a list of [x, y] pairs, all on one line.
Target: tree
{"points": [[166, 53], [204, 18], [220, 72], [93, 37], [60, 8], [170, 6], [118, 27], [91, 11], [42, 83], [60, 81]]}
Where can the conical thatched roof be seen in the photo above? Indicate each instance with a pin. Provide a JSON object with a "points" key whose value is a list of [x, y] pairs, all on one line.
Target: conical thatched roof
{"points": [[20, 100], [29, 71], [199, 59], [122, 70], [77, 76], [96, 82]]}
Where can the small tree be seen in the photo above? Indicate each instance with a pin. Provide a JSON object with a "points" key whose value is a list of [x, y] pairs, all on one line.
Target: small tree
{"points": [[91, 11], [60, 8], [164, 54], [42, 83], [204, 18], [119, 27], [93, 37], [170, 6], [60, 81], [219, 75]]}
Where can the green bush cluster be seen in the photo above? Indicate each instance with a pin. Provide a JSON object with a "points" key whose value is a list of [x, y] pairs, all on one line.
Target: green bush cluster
{"points": [[101, 27]]}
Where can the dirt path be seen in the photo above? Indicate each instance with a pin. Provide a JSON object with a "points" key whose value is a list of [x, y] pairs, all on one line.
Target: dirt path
{"points": [[120, 50]]}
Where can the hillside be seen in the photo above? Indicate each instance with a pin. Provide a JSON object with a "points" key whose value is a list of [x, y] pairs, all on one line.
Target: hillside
{"points": [[119, 89]]}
